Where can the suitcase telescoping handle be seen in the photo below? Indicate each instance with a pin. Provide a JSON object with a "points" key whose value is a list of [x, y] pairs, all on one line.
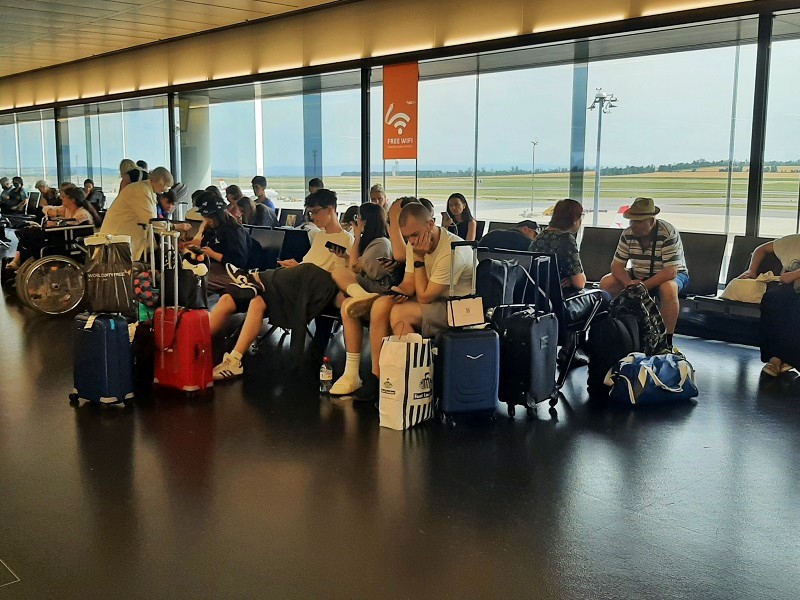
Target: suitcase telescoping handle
{"points": [[453, 247], [539, 290]]}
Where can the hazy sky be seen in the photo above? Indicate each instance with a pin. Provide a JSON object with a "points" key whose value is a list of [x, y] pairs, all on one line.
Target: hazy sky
{"points": [[672, 108]]}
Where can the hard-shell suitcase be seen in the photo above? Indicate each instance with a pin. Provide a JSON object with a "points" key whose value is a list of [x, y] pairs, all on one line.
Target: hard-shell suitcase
{"points": [[467, 365], [183, 358], [102, 371], [528, 350]]}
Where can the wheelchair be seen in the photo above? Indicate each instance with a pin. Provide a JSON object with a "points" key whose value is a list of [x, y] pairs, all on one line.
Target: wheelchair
{"points": [[54, 283]]}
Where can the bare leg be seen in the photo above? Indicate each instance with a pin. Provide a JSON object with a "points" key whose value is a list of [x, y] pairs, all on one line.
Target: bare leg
{"points": [[379, 328], [353, 330], [612, 285], [406, 318], [219, 314], [342, 277], [252, 324], [670, 304]]}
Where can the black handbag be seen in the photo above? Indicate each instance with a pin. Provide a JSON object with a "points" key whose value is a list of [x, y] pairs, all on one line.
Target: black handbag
{"points": [[192, 289]]}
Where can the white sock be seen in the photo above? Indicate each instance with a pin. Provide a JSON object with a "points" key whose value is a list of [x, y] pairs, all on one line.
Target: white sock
{"points": [[236, 355], [351, 365], [354, 290]]}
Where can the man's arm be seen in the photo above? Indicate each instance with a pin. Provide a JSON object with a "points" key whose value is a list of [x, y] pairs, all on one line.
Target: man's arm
{"points": [[666, 274], [755, 261], [619, 271], [398, 243]]}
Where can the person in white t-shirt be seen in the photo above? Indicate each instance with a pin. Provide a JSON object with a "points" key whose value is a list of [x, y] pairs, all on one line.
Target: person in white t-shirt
{"points": [[325, 253], [780, 306], [417, 304]]}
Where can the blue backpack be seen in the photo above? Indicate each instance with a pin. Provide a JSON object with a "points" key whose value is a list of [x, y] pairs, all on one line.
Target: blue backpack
{"points": [[639, 379]]}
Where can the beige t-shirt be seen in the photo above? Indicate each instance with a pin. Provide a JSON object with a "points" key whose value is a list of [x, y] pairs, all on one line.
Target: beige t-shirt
{"points": [[322, 257], [787, 249], [437, 264]]}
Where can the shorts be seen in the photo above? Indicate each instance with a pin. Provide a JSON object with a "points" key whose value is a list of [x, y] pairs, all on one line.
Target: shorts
{"points": [[681, 279], [242, 297], [434, 317]]}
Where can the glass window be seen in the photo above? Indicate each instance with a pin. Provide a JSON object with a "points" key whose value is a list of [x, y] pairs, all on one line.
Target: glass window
{"points": [[284, 159], [233, 143], [679, 120], [8, 147], [341, 144], [780, 210]]}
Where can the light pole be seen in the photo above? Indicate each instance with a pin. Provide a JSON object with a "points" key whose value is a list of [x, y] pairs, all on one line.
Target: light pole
{"points": [[604, 102], [533, 169]]}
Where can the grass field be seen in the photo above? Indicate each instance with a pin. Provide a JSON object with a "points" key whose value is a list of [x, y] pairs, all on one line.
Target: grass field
{"points": [[694, 200]]}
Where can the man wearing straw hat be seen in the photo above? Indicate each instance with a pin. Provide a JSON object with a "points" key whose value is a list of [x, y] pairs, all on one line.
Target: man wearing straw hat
{"points": [[655, 252]]}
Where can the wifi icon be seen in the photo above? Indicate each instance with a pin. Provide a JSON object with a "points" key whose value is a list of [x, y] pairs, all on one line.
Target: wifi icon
{"points": [[398, 120]]}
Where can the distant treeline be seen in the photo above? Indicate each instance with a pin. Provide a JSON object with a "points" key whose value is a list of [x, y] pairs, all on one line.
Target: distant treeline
{"points": [[701, 163]]}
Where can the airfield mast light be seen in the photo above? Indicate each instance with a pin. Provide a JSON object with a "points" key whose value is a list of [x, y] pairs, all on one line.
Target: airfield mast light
{"points": [[604, 101], [533, 169]]}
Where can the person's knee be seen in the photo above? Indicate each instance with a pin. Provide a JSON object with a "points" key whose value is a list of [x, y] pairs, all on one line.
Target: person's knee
{"points": [[225, 305], [257, 306], [668, 291], [608, 282]]}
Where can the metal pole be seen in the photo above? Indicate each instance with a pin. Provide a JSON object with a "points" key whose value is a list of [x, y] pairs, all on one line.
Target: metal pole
{"points": [[533, 171], [475, 153], [597, 162], [732, 140]]}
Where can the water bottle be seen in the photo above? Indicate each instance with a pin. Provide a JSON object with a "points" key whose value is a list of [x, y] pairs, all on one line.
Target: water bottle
{"points": [[325, 376]]}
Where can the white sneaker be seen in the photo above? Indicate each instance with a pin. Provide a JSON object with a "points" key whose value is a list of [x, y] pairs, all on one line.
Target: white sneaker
{"points": [[344, 386], [228, 368], [359, 307]]}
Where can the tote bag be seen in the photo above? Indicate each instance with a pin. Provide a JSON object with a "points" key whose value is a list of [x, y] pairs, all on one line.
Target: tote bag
{"points": [[406, 384]]}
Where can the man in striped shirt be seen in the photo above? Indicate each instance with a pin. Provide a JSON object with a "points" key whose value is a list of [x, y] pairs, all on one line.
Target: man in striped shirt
{"points": [[655, 252]]}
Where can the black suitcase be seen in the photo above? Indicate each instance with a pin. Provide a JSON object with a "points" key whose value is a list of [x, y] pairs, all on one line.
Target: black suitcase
{"points": [[528, 351], [466, 366], [609, 341]]}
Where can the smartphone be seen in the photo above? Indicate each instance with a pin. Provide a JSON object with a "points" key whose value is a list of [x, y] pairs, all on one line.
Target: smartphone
{"points": [[396, 294], [444, 215], [384, 261], [335, 247]]}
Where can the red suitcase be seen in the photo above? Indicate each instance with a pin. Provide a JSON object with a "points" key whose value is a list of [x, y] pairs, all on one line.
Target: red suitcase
{"points": [[183, 349], [183, 337]]}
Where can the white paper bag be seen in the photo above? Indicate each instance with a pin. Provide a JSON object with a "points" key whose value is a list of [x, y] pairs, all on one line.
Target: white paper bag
{"points": [[406, 384]]}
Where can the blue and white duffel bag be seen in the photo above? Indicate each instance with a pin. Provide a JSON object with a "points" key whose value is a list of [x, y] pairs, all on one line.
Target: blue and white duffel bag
{"points": [[639, 379]]}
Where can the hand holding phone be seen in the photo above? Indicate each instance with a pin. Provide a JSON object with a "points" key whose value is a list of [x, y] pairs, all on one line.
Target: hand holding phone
{"points": [[336, 248]]}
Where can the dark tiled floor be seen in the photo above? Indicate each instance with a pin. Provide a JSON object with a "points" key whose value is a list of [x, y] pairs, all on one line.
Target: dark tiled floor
{"points": [[270, 491]]}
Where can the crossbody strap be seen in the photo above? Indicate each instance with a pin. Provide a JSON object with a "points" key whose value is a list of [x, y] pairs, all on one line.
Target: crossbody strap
{"points": [[653, 250]]}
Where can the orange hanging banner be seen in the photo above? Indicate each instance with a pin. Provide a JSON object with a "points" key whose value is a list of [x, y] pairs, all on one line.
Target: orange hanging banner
{"points": [[400, 83]]}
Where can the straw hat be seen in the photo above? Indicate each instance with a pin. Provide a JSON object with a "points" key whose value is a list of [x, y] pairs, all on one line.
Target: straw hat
{"points": [[641, 209]]}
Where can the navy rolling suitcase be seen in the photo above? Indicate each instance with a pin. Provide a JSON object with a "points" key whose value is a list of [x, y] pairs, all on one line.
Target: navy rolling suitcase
{"points": [[467, 365], [102, 368], [528, 350]]}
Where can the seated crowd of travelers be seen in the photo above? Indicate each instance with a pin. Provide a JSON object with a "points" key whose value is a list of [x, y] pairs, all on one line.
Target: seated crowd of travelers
{"points": [[386, 266]]}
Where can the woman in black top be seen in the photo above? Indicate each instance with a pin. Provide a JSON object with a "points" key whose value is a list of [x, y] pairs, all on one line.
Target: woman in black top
{"points": [[459, 219], [224, 240], [559, 239]]}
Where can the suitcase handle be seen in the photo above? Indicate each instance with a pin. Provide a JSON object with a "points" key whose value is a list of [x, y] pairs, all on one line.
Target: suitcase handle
{"points": [[453, 247]]}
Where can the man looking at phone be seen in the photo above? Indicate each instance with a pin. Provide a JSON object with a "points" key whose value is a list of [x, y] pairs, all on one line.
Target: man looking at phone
{"points": [[418, 303], [308, 289]]}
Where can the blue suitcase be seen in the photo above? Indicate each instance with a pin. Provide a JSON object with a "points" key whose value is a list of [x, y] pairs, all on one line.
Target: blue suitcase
{"points": [[102, 367], [467, 365]]}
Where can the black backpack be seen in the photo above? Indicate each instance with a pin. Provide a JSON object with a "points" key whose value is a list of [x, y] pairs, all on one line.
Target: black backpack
{"points": [[609, 341], [496, 280]]}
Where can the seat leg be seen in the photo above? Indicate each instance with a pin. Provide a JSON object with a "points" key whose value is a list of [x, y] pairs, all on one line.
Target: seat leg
{"points": [[572, 345]]}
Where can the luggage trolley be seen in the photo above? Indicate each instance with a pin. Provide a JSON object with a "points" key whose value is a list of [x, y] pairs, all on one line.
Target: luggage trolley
{"points": [[54, 283]]}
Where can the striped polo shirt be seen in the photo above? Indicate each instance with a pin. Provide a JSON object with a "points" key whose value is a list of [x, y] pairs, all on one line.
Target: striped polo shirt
{"points": [[669, 251]]}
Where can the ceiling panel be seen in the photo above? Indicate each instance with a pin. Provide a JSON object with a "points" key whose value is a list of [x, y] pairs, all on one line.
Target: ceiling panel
{"points": [[47, 33]]}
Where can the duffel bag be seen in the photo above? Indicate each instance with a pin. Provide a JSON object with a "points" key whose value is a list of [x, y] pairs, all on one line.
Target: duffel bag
{"points": [[639, 380]]}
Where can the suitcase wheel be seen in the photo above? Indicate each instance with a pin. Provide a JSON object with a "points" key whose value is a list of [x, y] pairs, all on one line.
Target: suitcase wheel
{"points": [[531, 412], [553, 400]]}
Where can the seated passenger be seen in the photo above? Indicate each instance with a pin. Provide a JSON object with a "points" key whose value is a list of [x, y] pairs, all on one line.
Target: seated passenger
{"points": [[314, 185], [255, 213], [780, 306], [16, 199], [134, 205], [5, 189], [377, 195], [366, 273], [73, 211], [224, 241], [458, 219], [518, 238], [295, 293], [655, 251], [420, 301], [559, 239], [350, 218], [259, 184], [165, 204], [94, 195], [49, 195], [233, 194], [131, 172]]}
